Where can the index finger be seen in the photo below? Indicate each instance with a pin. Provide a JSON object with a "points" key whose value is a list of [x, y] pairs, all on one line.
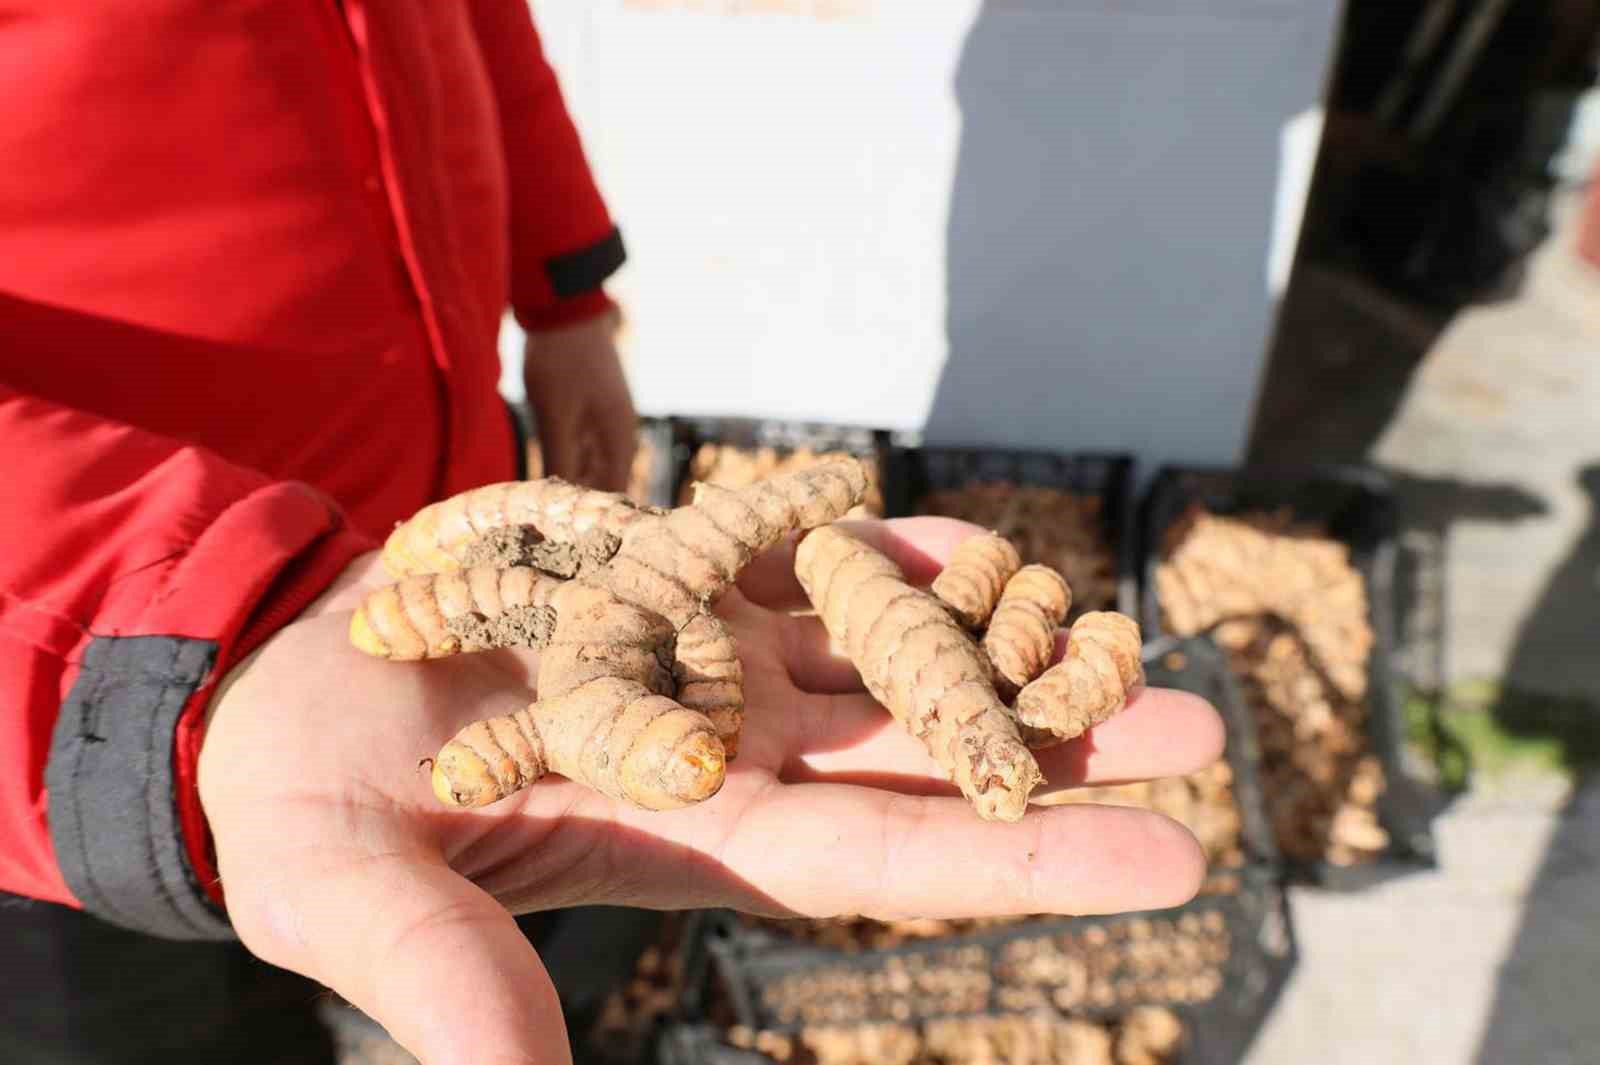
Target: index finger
{"points": [[919, 546]]}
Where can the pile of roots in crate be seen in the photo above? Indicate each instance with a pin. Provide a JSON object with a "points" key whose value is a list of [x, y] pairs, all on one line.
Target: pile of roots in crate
{"points": [[1050, 526], [1284, 601], [736, 465], [1041, 964], [1147, 1035]]}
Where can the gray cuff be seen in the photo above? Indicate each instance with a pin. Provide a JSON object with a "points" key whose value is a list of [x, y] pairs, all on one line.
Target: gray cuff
{"points": [[110, 778]]}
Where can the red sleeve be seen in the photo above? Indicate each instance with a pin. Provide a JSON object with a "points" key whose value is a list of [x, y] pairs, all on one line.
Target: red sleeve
{"points": [[136, 570], [563, 242]]}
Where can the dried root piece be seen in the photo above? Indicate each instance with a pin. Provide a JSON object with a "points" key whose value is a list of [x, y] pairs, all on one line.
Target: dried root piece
{"points": [[916, 660], [920, 665], [1063, 530], [971, 583], [640, 684], [710, 678], [1040, 1038], [440, 537], [1149, 1035], [1100, 671], [733, 466], [669, 756], [1022, 632]]}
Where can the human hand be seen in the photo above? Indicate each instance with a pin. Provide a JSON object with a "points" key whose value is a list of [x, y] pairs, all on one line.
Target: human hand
{"points": [[586, 422], [339, 863]]}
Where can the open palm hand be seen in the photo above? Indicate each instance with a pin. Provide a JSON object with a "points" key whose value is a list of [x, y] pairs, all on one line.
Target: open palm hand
{"points": [[338, 862]]}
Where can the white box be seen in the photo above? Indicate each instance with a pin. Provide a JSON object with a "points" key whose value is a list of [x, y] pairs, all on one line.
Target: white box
{"points": [[1021, 223]]}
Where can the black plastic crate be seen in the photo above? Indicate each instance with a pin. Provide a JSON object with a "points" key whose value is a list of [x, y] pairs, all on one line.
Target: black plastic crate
{"points": [[1196, 665], [590, 951], [1255, 915], [777, 985], [697, 1043], [1357, 507], [916, 471], [597, 954], [869, 445], [751, 963]]}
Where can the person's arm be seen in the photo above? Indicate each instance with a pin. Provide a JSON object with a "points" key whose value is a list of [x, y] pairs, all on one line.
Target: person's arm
{"points": [[564, 246], [136, 569]]}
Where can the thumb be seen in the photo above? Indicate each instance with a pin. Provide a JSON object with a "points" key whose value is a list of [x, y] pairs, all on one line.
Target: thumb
{"points": [[424, 952]]}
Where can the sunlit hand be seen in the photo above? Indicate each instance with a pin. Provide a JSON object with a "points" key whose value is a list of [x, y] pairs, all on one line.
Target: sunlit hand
{"points": [[587, 424], [338, 862]]}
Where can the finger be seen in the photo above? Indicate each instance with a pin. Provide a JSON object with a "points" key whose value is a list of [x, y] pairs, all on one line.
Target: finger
{"points": [[919, 546], [598, 461], [619, 446], [559, 439], [425, 953], [852, 850], [1161, 733]]}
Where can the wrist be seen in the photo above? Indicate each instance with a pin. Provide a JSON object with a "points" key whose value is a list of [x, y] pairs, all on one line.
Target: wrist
{"points": [[364, 574], [585, 308]]}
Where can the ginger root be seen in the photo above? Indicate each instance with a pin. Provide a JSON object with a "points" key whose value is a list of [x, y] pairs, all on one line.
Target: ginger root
{"points": [[640, 687], [917, 661]]}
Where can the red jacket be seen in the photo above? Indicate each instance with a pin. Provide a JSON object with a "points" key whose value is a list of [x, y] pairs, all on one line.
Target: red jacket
{"points": [[253, 261]]}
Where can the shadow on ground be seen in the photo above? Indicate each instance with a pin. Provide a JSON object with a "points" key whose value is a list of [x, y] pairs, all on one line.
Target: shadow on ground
{"points": [[1544, 1006], [1567, 616]]}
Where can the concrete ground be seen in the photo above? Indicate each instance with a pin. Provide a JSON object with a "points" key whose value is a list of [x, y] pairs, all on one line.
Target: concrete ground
{"points": [[1509, 398], [1488, 961], [1490, 423]]}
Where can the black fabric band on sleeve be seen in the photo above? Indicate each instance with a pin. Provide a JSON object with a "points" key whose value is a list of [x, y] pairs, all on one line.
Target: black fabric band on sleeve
{"points": [[113, 807], [586, 269]]}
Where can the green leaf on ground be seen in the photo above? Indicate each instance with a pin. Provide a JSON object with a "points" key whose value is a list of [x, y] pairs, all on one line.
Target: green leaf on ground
{"points": [[1484, 728]]}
